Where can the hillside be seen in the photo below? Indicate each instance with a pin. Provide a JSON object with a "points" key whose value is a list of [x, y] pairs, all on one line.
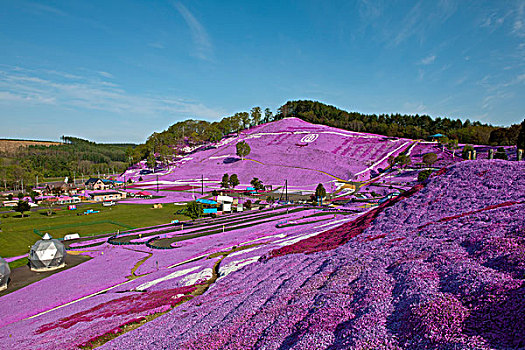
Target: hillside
{"points": [[429, 272], [440, 266], [290, 149]]}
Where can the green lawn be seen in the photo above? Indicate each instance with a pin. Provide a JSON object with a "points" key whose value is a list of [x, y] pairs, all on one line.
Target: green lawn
{"points": [[17, 233]]}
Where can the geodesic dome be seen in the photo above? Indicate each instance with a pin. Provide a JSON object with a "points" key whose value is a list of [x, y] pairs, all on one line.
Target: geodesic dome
{"points": [[5, 272], [47, 254]]}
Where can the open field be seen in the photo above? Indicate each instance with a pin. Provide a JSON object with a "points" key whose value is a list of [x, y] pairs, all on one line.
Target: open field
{"points": [[12, 145], [17, 233]]}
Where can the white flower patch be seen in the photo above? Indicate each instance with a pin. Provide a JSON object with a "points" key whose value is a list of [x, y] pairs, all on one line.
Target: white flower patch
{"points": [[244, 251], [236, 265], [201, 276], [175, 274]]}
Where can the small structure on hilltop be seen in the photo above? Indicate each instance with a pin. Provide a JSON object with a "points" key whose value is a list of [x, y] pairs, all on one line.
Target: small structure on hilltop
{"points": [[5, 272], [47, 254], [436, 137]]}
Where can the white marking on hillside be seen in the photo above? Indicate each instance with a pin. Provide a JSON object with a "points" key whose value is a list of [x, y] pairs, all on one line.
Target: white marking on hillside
{"points": [[240, 252], [411, 148], [310, 138], [172, 275], [236, 265], [200, 276], [297, 239], [382, 159]]}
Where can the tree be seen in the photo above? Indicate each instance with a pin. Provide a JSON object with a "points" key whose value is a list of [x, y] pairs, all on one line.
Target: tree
{"points": [[194, 210], [234, 180], [453, 145], [257, 184], [22, 207], [151, 161], [521, 137], [391, 161], [430, 158], [403, 160], [49, 205], [243, 149], [33, 195], [423, 175], [467, 149], [320, 193], [256, 115], [501, 154], [268, 115], [245, 119], [165, 152], [225, 182]]}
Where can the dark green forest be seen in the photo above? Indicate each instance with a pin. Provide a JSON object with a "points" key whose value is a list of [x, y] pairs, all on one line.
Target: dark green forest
{"points": [[73, 157]]}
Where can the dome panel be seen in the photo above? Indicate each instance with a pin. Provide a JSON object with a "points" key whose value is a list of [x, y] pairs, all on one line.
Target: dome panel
{"points": [[5, 272]]}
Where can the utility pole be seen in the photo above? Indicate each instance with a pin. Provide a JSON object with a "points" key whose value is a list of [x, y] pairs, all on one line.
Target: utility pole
{"points": [[157, 183], [202, 184], [36, 181], [286, 189]]}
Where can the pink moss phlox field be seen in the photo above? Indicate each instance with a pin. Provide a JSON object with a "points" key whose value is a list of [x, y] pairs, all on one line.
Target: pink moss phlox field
{"points": [[448, 285], [130, 305], [340, 235], [79, 281], [276, 156]]}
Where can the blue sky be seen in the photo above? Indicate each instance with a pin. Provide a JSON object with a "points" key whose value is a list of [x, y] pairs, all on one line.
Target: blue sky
{"points": [[116, 71]]}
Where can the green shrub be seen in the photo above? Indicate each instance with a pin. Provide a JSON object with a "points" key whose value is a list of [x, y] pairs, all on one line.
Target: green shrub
{"points": [[430, 158], [466, 150], [501, 154], [423, 175]]}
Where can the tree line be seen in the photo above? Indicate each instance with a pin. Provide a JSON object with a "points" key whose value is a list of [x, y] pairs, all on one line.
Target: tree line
{"points": [[72, 158], [401, 125]]}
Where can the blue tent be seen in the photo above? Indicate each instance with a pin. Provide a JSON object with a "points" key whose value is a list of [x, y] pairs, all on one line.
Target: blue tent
{"points": [[437, 135], [206, 201]]}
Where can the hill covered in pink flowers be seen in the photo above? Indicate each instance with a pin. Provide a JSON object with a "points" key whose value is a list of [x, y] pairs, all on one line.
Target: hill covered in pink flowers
{"points": [[292, 149], [443, 268]]}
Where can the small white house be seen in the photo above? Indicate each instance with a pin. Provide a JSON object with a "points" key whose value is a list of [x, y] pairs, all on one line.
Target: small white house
{"points": [[226, 203], [71, 236]]}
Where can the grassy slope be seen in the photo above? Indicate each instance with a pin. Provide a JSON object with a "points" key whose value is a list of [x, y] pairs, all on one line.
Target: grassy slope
{"points": [[17, 234]]}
